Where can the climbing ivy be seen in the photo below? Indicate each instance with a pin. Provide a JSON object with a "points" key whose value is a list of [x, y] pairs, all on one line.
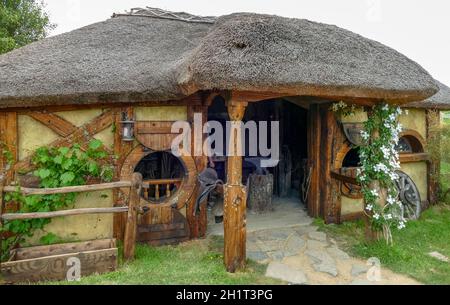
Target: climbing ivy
{"points": [[55, 167]]}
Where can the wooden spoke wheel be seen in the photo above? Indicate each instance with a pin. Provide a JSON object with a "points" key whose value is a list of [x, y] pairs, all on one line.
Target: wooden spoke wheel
{"points": [[409, 196]]}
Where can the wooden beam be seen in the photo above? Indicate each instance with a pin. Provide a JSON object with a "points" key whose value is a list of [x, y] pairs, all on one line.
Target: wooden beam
{"points": [[9, 142], [414, 157], [234, 194], [82, 135], [121, 151], [433, 121], [197, 221], [313, 134], [328, 133], [56, 123], [37, 215], [194, 99], [67, 189], [129, 242]]}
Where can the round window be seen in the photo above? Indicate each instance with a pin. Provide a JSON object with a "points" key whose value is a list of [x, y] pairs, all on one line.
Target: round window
{"points": [[162, 175]]}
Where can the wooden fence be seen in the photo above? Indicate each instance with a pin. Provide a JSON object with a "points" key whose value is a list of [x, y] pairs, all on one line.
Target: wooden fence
{"points": [[132, 209]]}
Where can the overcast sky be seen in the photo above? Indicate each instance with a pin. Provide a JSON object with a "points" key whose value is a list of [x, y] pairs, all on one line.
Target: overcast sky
{"points": [[420, 29]]}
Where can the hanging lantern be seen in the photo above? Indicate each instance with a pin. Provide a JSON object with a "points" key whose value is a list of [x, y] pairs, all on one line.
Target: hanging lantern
{"points": [[127, 128]]}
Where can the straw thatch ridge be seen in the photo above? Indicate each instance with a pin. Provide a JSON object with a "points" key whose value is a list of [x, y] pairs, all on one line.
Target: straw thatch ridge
{"points": [[440, 100], [143, 58]]}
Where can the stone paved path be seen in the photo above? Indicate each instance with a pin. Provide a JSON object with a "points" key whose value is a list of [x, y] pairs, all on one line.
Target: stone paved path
{"points": [[302, 255]]}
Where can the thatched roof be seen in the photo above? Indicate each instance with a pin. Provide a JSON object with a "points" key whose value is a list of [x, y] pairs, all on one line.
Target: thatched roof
{"points": [[440, 100], [153, 55]]}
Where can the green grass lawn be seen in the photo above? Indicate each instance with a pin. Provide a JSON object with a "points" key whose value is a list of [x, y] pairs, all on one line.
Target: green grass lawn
{"points": [[409, 254], [194, 262]]}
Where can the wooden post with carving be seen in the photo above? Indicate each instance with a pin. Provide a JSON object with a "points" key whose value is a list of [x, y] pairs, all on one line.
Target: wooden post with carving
{"points": [[234, 193], [129, 242]]}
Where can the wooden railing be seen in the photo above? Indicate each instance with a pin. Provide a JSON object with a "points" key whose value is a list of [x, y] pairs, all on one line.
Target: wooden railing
{"points": [[156, 184], [135, 186]]}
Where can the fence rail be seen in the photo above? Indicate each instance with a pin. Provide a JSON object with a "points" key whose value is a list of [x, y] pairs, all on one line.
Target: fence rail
{"points": [[135, 186]]}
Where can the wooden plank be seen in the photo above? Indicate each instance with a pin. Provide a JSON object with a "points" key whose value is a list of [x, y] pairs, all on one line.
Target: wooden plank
{"points": [[37, 215], [352, 216], [129, 242], [56, 123], [55, 267], [68, 189], [160, 227], [415, 157], [314, 126], [167, 234], [57, 249]]}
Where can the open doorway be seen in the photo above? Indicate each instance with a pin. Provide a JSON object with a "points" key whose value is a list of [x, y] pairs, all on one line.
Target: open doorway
{"points": [[284, 186]]}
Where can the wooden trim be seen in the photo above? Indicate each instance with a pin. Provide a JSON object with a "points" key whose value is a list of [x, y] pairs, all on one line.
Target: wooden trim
{"points": [[416, 135], [343, 178], [408, 158], [194, 99], [53, 267], [352, 216]]}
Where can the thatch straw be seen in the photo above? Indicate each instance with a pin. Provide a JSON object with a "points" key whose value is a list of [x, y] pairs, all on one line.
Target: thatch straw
{"points": [[147, 58]]}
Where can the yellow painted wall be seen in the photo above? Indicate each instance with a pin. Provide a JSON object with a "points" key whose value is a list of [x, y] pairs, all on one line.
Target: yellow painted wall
{"points": [[161, 113], [415, 120], [82, 227], [33, 135], [79, 117], [350, 205], [418, 173], [358, 117]]}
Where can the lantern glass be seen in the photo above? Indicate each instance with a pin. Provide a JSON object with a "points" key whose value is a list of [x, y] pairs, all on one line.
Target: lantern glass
{"points": [[127, 128]]}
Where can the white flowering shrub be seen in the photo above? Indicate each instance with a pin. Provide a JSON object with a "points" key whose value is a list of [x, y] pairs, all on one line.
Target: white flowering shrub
{"points": [[379, 162]]}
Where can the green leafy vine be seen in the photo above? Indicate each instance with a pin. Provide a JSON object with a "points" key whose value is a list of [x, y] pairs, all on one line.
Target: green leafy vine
{"points": [[55, 167]]}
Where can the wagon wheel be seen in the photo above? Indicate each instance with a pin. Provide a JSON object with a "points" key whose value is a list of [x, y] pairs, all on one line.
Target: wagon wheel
{"points": [[409, 196]]}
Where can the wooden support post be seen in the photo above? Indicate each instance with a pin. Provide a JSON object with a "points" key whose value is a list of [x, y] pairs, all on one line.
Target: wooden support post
{"points": [[197, 220], [121, 151], [314, 132], [8, 143], [129, 242], [434, 165], [234, 194]]}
